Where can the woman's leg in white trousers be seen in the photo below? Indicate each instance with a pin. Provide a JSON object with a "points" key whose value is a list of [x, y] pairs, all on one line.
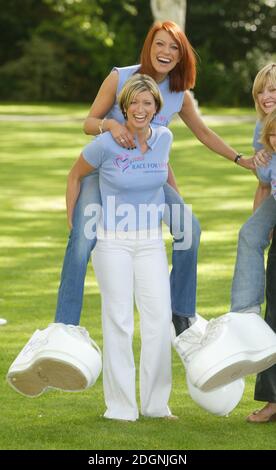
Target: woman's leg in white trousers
{"points": [[113, 264], [152, 294]]}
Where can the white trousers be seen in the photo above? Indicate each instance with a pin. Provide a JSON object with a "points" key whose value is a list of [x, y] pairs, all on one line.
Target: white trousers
{"points": [[125, 268]]}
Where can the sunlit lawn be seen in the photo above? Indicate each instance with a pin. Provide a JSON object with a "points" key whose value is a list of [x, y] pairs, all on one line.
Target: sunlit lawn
{"points": [[35, 159]]}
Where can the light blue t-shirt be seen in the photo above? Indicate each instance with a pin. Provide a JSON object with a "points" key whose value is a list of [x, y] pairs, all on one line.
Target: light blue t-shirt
{"points": [[172, 100], [266, 174], [130, 182], [256, 137]]}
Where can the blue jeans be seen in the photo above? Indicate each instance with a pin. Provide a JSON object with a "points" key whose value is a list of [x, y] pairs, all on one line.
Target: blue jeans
{"points": [[183, 277], [249, 277]]}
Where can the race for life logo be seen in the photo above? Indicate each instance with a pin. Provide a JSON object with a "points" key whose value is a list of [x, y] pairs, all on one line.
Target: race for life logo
{"points": [[127, 164], [124, 162]]}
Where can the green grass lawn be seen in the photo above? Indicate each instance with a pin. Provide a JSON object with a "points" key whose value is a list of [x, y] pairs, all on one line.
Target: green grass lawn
{"points": [[35, 159]]}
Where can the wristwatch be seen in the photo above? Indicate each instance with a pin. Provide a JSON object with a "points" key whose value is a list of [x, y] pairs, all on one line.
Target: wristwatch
{"points": [[238, 157]]}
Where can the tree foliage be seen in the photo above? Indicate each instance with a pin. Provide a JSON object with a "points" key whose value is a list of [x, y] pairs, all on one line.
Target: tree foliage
{"points": [[63, 49], [86, 39], [234, 39]]}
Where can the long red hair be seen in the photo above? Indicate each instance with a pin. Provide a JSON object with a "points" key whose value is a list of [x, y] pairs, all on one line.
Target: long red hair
{"points": [[183, 76]]}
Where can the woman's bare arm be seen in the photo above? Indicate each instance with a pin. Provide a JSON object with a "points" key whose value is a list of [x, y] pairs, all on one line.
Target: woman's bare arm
{"points": [[80, 169], [208, 137], [104, 101]]}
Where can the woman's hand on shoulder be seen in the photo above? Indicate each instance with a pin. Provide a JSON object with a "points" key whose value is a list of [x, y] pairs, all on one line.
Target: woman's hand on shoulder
{"points": [[262, 158], [247, 163], [121, 134]]}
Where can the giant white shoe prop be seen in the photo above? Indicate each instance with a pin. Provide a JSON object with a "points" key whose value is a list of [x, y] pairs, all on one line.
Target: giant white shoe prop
{"points": [[60, 356], [233, 346], [220, 401], [189, 342]]}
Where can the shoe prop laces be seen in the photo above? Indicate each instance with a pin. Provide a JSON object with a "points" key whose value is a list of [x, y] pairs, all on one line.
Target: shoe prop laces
{"points": [[81, 333], [187, 344], [213, 330], [191, 341], [41, 338]]}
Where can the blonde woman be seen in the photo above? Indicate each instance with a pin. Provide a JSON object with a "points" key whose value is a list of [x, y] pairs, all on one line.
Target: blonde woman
{"points": [[130, 257], [249, 278]]}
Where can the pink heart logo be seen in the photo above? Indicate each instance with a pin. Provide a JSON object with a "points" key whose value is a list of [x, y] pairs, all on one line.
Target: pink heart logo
{"points": [[122, 162]]}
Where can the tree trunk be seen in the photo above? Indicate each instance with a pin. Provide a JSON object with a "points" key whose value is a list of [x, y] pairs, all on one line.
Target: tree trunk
{"points": [[174, 10]]}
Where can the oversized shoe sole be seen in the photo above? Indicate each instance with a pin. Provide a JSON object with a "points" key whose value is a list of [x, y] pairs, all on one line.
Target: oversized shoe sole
{"points": [[234, 367], [51, 371], [60, 356]]}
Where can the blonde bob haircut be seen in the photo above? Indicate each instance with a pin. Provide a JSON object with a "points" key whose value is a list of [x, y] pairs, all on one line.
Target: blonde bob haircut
{"points": [[265, 77], [269, 127], [137, 84]]}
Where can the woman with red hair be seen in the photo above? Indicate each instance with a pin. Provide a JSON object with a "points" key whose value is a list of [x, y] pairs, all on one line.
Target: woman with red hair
{"points": [[168, 57]]}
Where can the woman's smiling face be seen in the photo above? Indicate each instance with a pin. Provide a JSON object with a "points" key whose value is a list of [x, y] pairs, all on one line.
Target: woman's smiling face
{"points": [[164, 53], [267, 98], [141, 110]]}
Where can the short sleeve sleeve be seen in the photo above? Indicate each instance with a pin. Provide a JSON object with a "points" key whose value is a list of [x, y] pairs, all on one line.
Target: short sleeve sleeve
{"points": [[257, 135], [264, 174], [93, 152]]}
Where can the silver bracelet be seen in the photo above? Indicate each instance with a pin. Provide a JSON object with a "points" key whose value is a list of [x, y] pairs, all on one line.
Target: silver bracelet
{"points": [[101, 125]]}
